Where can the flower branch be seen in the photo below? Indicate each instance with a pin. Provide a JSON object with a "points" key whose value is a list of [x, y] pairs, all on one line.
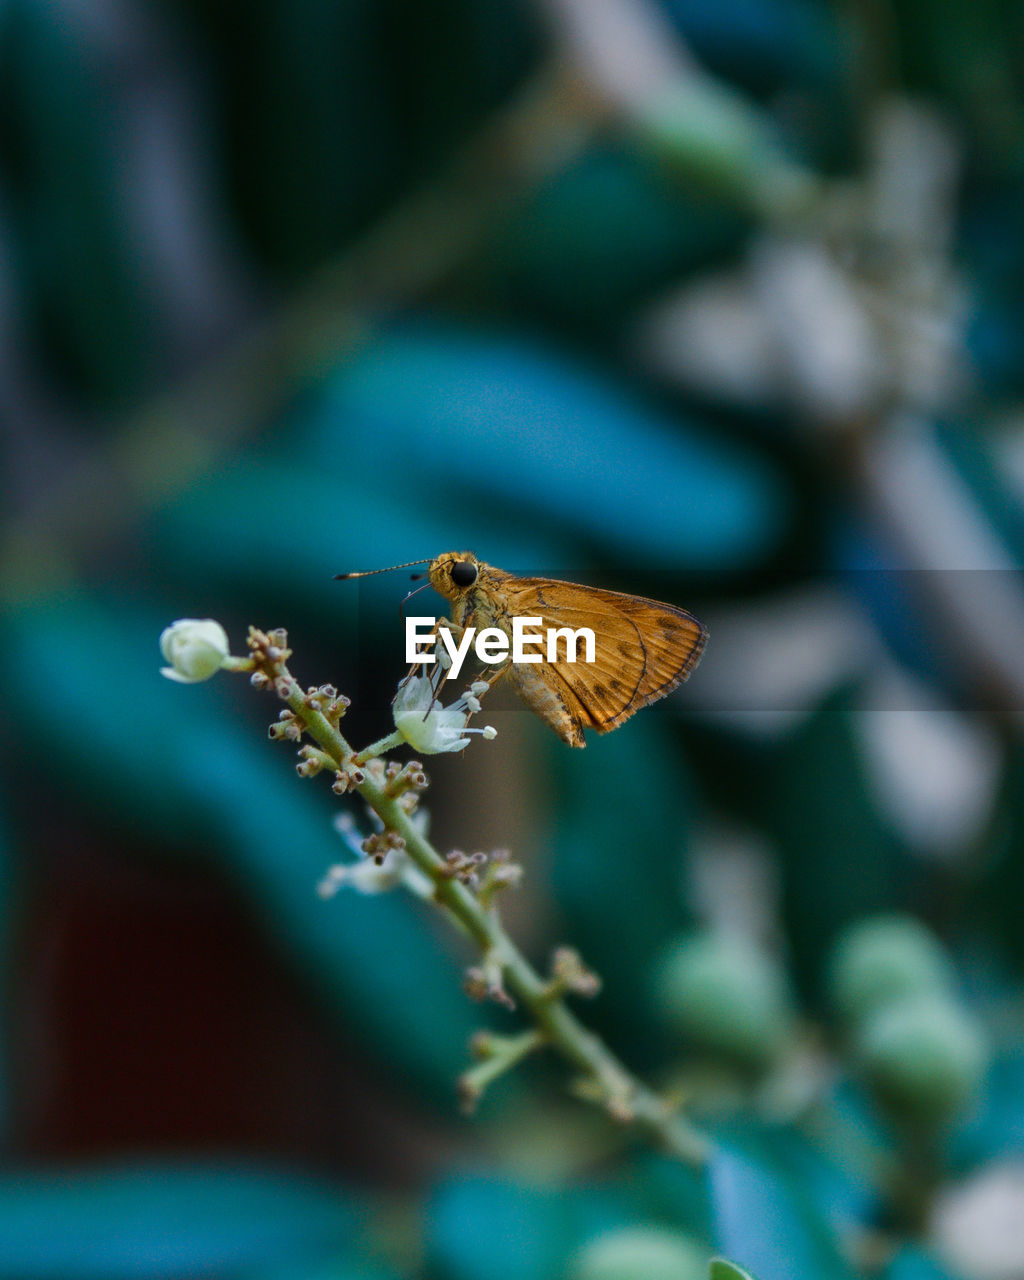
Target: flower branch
{"points": [[463, 885]]}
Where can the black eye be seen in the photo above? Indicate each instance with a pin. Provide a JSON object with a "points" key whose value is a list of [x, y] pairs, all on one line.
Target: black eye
{"points": [[464, 573]]}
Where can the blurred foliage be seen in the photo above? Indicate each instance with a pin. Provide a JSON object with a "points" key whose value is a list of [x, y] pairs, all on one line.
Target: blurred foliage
{"points": [[536, 379]]}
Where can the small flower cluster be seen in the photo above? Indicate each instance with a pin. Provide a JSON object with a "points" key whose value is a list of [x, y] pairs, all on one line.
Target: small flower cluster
{"points": [[286, 728], [269, 650], [378, 845], [331, 704], [463, 866], [373, 875], [569, 973], [405, 780], [486, 981], [484, 873]]}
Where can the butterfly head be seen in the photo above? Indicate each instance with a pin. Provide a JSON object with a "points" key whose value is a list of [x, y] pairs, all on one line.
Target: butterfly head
{"points": [[453, 573]]}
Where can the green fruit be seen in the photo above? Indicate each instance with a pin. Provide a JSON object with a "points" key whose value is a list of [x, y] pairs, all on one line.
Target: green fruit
{"points": [[650, 1253], [925, 1058], [726, 997], [884, 959]]}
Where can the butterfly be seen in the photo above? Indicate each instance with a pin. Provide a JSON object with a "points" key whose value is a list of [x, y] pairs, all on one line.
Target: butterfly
{"points": [[643, 649]]}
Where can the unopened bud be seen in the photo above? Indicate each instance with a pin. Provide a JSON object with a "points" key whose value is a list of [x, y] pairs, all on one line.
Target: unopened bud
{"points": [[195, 648]]}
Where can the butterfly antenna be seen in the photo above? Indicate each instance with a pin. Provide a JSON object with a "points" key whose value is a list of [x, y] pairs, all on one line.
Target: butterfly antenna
{"points": [[367, 573]]}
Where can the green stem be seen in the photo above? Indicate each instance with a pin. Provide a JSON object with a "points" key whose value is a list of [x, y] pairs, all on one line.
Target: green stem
{"points": [[502, 1054], [379, 747], [237, 664], [624, 1096]]}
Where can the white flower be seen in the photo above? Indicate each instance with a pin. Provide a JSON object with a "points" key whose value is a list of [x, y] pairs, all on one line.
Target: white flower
{"points": [[368, 878], [429, 727], [365, 875], [195, 648]]}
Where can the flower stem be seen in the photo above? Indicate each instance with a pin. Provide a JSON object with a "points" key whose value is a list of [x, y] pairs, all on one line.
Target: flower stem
{"points": [[379, 747], [499, 1054], [605, 1079]]}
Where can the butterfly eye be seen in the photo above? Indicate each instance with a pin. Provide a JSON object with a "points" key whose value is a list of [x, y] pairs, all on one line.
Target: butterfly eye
{"points": [[464, 573]]}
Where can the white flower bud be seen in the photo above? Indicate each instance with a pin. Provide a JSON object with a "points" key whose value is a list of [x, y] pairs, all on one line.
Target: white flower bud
{"points": [[195, 648]]}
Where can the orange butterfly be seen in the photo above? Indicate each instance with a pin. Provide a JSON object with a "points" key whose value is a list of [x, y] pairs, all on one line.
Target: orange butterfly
{"points": [[643, 649]]}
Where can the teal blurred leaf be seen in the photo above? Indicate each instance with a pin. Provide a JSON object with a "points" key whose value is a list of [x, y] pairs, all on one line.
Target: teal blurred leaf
{"points": [[827, 1173], [445, 416], [676, 1193], [338, 1267], [618, 850], [764, 46], [840, 860], [996, 1130], [973, 455], [762, 1223], [913, 1263], [166, 1220], [994, 340], [481, 1228], [223, 539], [605, 234]]}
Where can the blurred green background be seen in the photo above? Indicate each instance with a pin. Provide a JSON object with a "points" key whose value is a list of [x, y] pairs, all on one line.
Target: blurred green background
{"points": [[718, 301]]}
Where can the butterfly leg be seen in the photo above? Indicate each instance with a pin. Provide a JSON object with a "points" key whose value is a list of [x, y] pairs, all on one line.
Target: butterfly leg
{"points": [[501, 671], [416, 668], [456, 631]]}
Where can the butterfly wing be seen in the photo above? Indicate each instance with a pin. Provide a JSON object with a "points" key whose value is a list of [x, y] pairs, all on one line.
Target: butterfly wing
{"points": [[643, 650]]}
